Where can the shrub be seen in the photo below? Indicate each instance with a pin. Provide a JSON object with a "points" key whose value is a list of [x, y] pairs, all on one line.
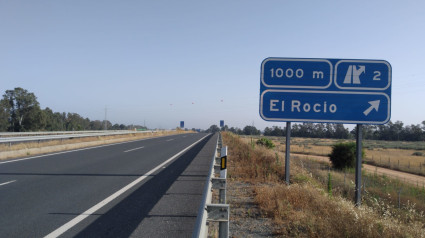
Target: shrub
{"points": [[343, 155], [265, 142], [417, 153]]}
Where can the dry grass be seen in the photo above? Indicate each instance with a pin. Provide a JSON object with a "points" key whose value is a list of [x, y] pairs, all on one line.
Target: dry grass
{"points": [[398, 159], [385, 154], [304, 209], [34, 148]]}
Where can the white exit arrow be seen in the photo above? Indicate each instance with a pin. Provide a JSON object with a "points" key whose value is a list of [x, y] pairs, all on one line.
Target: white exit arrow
{"points": [[373, 105]]}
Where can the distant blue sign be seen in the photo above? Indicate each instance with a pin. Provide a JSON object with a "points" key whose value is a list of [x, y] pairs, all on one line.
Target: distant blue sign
{"points": [[325, 90], [181, 124], [221, 123]]}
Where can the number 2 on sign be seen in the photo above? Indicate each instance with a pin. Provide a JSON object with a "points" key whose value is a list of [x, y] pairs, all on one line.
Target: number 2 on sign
{"points": [[377, 75]]}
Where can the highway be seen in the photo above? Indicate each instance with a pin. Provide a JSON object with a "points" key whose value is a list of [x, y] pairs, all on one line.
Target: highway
{"points": [[145, 188], [19, 137]]}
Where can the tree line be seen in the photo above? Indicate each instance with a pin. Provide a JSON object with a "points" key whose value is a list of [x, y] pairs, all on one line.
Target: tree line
{"points": [[20, 111], [396, 131]]}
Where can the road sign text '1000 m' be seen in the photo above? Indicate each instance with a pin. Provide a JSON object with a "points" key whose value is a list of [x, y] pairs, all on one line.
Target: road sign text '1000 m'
{"points": [[325, 90]]}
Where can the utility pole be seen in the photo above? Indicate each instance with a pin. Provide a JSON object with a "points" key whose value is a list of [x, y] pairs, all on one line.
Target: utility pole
{"points": [[105, 124]]}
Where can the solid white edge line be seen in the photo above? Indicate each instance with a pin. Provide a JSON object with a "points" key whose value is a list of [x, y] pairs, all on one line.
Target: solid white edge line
{"points": [[134, 149], [1, 184], [107, 200], [69, 151]]}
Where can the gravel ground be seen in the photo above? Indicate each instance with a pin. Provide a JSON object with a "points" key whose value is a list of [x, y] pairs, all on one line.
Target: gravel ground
{"points": [[245, 217]]}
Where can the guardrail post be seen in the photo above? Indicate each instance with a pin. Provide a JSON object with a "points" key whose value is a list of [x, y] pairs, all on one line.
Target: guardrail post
{"points": [[223, 172], [223, 228]]}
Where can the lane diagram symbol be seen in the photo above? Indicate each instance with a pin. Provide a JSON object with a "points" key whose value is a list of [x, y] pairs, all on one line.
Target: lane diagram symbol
{"points": [[353, 74]]}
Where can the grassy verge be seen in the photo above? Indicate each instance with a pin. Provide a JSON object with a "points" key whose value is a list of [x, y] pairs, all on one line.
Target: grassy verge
{"points": [[307, 209]]}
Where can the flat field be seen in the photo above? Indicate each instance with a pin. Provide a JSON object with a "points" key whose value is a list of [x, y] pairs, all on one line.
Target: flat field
{"points": [[397, 155]]}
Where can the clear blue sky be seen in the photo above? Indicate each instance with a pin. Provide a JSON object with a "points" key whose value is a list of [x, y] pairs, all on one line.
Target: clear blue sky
{"points": [[139, 57]]}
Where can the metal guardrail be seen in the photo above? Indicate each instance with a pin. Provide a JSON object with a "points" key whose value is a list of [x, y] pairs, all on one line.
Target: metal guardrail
{"points": [[36, 136], [214, 212], [33, 133]]}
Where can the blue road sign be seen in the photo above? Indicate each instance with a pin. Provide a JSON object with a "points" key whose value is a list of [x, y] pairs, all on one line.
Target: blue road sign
{"points": [[221, 123], [325, 90], [181, 124]]}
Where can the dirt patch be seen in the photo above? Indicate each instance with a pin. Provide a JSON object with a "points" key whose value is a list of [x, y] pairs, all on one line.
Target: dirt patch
{"points": [[245, 217], [402, 176]]}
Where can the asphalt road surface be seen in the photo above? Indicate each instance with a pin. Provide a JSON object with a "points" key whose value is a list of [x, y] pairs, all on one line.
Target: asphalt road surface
{"points": [[146, 188]]}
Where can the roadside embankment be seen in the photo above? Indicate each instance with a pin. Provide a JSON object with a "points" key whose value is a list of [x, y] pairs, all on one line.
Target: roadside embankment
{"points": [[318, 202]]}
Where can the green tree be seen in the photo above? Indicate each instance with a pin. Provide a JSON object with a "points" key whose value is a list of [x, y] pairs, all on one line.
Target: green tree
{"points": [[96, 125], [251, 130], [225, 128], [277, 131], [54, 121], [340, 132], [268, 131], [343, 155], [22, 109], [4, 116], [235, 130], [213, 129]]}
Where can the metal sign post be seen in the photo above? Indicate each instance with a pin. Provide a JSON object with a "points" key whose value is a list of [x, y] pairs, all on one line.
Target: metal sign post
{"points": [[358, 197], [287, 154]]}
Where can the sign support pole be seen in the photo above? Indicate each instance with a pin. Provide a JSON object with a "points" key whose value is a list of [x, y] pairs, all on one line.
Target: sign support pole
{"points": [[287, 154], [358, 198]]}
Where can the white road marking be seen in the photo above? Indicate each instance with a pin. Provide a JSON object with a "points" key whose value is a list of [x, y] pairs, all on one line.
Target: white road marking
{"points": [[138, 148], [170, 140], [69, 151], [107, 200], [1, 184]]}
